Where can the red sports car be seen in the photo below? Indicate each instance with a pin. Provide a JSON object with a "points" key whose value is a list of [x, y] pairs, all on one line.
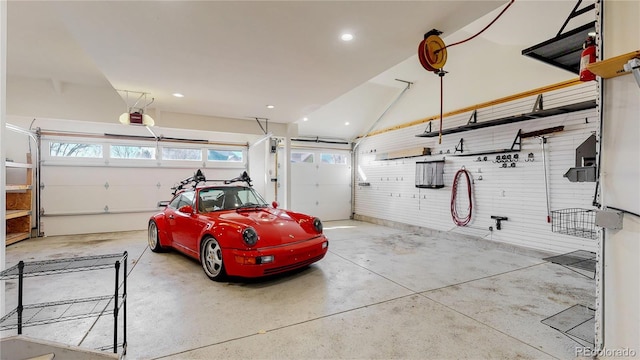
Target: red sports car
{"points": [[230, 229]]}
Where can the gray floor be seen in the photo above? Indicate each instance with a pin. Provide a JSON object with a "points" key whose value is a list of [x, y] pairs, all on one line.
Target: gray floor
{"points": [[379, 293]]}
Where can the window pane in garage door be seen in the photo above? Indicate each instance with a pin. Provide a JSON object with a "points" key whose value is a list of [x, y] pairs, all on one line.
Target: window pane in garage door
{"points": [[65, 149], [333, 159], [181, 154], [132, 152], [225, 155], [301, 157]]}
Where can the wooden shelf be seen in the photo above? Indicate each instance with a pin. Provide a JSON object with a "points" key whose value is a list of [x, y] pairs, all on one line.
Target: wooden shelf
{"points": [[15, 237], [612, 67], [19, 203], [15, 187], [12, 164], [12, 214]]}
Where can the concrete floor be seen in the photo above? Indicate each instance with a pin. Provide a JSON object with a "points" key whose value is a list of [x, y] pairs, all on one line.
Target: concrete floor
{"points": [[379, 293]]}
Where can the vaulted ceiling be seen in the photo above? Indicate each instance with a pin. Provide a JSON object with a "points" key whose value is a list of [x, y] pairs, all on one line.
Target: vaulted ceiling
{"points": [[233, 58]]}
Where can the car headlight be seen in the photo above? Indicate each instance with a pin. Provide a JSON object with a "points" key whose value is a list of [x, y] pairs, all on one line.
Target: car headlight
{"points": [[249, 236], [317, 224]]}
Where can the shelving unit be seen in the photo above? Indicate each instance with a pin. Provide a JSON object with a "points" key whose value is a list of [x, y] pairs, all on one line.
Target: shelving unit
{"points": [[70, 309], [584, 105], [19, 203], [612, 67]]}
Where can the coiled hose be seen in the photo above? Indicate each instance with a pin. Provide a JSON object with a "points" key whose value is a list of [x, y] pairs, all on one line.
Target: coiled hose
{"points": [[457, 219]]}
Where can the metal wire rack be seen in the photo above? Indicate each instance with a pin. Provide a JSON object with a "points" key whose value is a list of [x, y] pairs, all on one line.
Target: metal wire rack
{"points": [[575, 222], [71, 309], [577, 322]]}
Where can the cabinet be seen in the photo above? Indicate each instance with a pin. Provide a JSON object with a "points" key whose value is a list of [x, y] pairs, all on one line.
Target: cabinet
{"points": [[70, 309], [19, 202]]}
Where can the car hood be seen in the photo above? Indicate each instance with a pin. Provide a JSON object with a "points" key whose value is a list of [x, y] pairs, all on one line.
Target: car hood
{"points": [[274, 226]]}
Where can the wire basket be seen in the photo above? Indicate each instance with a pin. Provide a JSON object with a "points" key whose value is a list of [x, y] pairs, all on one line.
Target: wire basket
{"points": [[575, 222]]}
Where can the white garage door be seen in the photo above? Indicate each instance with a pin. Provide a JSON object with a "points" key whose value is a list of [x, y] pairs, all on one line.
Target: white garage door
{"points": [[111, 185], [321, 183]]}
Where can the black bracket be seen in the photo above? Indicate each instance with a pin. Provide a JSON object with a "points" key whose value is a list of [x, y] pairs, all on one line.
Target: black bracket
{"points": [[460, 146], [264, 128], [517, 142], [428, 129], [498, 220], [537, 106], [575, 12], [473, 119], [432, 32]]}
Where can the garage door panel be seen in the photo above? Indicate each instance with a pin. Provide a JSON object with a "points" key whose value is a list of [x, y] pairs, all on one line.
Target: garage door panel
{"points": [[304, 174], [57, 199], [336, 204], [334, 174], [322, 189], [305, 204]]}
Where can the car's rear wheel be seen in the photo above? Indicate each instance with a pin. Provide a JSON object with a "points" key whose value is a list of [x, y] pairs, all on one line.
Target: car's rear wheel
{"points": [[153, 237], [211, 259]]}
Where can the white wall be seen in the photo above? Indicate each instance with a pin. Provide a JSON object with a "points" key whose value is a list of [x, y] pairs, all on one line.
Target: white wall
{"points": [[517, 193], [621, 181], [3, 88], [38, 98], [212, 123], [41, 98]]}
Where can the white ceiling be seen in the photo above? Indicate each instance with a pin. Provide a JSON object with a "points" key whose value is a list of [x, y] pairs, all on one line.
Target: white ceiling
{"points": [[232, 58]]}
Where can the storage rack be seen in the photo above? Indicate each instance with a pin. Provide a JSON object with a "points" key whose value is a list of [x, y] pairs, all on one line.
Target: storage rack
{"points": [[19, 204], [36, 314], [575, 222]]}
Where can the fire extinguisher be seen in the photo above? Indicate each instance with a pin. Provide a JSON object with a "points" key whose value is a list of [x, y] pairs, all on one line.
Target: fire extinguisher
{"points": [[588, 56]]}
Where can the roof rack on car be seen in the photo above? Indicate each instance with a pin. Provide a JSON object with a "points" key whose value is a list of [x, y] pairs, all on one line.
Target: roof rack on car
{"points": [[199, 177]]}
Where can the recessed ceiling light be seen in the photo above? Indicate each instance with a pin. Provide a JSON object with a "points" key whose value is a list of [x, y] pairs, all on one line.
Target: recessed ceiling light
{"points": [[346, 37], [305, 119], [347, 123], [270, 106], [178, 95]]}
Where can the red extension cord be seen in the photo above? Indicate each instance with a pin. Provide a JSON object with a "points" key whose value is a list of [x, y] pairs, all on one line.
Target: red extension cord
{"points": [[454, 195]]}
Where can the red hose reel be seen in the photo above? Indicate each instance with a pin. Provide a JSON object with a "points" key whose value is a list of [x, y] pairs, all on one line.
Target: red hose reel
{"points": [[432, 52]]}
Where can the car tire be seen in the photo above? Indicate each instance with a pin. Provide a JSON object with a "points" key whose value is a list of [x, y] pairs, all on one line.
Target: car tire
{"points": [[211, 259], [153, 238]]}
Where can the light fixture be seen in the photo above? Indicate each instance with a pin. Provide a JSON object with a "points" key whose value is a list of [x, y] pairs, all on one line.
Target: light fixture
{"points": [[135, 115], [347, 123], [346, 37], [178, 95], [591, 33], [305, 119], [270, 106]]}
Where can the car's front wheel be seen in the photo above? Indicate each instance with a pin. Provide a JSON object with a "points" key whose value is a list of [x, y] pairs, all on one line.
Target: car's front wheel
{"points": [[211, 259], [154, 238]]}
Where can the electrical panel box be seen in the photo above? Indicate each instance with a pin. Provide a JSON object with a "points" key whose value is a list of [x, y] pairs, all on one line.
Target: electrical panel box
{"points": [[429, 174]]}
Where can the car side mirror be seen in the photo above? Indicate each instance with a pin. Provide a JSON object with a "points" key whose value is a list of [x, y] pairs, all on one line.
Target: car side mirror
{"points": [[163, 203], [274, 204], [187, 209]]}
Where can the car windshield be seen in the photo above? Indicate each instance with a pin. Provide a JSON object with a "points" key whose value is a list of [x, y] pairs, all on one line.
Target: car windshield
{"points": [[228, 198]]}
